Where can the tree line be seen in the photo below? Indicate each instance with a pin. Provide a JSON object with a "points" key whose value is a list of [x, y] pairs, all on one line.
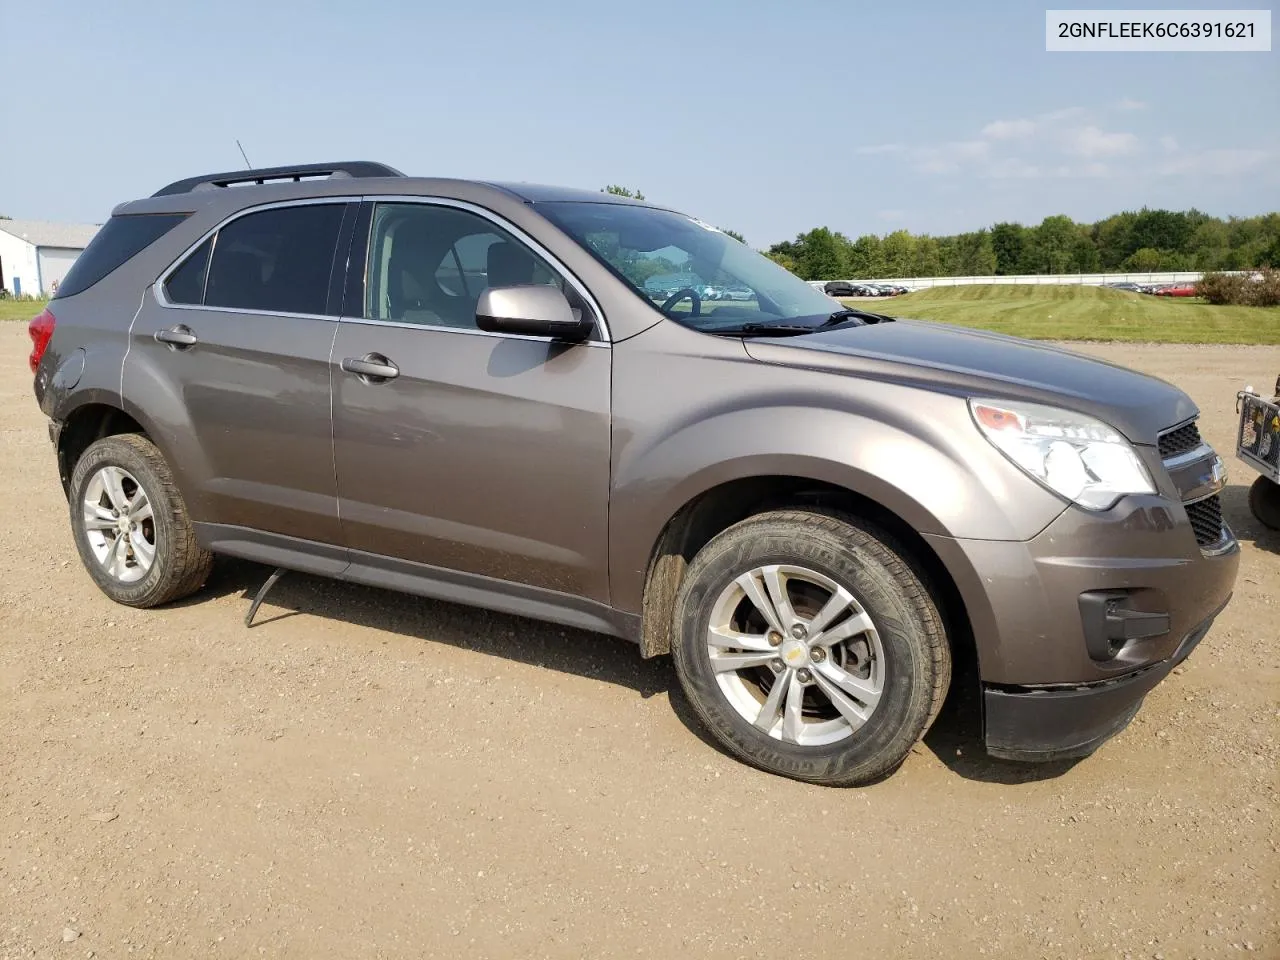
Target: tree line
{"points": [[1142, 241]]}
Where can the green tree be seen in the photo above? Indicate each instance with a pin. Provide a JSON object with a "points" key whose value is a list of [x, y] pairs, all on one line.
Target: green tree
{"points": [[1009, 242], [1144, 260], [1084, 251], [1052, 246], [733, 233], [1113, 238], [618, 191], [866, 261], [927, 258], [971, 255], [898, 250], [825, 255], [1160, 230], [783, 260], [1270, 257]]}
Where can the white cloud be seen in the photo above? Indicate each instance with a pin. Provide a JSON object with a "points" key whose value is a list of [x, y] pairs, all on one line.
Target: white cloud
{"points": [[1227, 162], [1066, 113], [1009, 129], [948, 157], [1090, 142], [1071, 143], [1012, 168]]}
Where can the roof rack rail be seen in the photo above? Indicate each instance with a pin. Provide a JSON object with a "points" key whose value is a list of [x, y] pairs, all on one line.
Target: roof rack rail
{"points": [[261, 175]]}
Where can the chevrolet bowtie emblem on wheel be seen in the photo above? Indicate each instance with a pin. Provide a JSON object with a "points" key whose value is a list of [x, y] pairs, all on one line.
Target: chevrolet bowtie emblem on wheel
{"points": [[794, 653]]}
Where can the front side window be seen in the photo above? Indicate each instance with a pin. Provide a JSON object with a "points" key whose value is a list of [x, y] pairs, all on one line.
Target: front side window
{"points": [[429, 264], [277, 260], [695, 274]]}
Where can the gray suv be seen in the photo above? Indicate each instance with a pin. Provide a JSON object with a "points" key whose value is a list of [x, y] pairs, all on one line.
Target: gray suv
{"points": [[462, 390]]}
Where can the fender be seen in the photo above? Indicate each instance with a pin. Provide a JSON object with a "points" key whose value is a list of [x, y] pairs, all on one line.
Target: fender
{"points": [[153, 399], [938, 474]]}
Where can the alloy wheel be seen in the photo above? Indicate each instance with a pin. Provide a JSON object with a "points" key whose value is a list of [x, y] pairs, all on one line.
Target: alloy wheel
{"points": [[796, 655]]}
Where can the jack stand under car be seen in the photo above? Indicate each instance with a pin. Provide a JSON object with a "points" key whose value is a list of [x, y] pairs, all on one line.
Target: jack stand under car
{"points": [[1258, 444]]}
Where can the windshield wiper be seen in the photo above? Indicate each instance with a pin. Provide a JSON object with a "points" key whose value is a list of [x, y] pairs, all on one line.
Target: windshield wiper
{"points": [[764, 330], [799, 329], [840, 316]]}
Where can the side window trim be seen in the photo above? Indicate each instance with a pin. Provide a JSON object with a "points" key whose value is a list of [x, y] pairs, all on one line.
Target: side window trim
{"points": [[357, 263], [602, 328], [157, 288]]}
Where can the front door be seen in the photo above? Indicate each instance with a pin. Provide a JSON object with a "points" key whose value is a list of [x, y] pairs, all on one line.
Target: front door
{"points": [[460, 449], [234, 352]]}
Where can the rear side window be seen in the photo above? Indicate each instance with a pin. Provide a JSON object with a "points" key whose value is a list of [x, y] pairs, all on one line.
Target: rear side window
{"points": [[278, 260], [120, 239], [186, 284]]}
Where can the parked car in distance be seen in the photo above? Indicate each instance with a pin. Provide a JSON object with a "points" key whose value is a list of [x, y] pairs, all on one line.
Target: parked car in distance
{"points": [[1176, 290], [840, 288], [1125, 286], [469, 391]]}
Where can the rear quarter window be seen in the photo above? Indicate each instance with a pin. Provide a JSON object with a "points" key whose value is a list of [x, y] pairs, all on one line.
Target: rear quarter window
{"points": [[120, 239]]}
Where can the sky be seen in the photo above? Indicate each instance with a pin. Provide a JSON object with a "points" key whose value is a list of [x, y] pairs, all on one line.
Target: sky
{"points": [[769, 118]]}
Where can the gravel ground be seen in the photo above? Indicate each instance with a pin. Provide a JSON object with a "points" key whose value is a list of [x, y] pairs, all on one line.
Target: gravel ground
{"points": [[367, 774]]}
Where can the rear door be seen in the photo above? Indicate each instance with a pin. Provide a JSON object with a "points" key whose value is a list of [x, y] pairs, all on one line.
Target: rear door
{"points": [[482, 453], [233, 349]]}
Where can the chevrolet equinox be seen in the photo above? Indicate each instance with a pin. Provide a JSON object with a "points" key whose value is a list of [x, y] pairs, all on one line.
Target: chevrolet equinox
{"points": [[469, 391]]}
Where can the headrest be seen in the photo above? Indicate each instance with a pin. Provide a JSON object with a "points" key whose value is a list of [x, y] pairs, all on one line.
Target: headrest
{"points": [[509, 265]]}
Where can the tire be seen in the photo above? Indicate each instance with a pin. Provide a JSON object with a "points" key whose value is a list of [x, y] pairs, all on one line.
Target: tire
{"points": [[811, 554], [1264, 502], [155, 561]]}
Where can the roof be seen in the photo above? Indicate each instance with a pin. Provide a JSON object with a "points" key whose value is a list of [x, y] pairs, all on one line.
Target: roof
{"points": [[543, 193], [38, 233]]}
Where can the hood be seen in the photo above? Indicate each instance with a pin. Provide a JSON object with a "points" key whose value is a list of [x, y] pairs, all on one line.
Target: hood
{"points": [[966, 362]]}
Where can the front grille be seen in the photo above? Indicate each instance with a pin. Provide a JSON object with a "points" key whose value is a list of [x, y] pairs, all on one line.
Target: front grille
{"points": [[1206, 520], [1184, 438]]}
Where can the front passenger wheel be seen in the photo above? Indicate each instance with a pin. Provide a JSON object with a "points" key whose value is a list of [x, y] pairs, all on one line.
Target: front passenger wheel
{"points": [[131, 525], [809, 646]]}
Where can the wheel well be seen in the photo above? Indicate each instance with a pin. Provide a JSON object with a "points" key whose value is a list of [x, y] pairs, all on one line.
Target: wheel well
{"points": [[701, 519], [91, 422]]}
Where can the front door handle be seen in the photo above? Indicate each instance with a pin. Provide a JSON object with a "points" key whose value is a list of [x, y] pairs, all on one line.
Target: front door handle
{"points": [[371, 368], [177, 338]]}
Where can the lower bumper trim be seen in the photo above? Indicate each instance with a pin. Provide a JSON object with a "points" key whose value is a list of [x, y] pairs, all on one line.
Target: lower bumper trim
{"points": [[1039, 725]]}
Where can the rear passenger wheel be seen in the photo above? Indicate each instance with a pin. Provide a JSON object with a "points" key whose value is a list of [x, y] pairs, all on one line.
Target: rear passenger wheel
{"points": [[131, 525], [810, 647]]}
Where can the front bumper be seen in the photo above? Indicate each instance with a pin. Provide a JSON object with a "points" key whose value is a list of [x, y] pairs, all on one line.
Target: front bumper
{"points": [[1040, 724], [1075, 626]]}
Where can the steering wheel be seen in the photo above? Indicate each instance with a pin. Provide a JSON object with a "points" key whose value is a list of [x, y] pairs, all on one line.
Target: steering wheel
{"points": [[695, 301]]}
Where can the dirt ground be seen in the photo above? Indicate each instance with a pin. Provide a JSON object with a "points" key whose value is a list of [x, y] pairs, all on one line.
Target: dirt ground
{"points": [[373, 775]]}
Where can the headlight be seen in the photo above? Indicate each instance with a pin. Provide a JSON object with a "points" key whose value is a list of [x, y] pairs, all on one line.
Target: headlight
{"points": [[1083, 459]]}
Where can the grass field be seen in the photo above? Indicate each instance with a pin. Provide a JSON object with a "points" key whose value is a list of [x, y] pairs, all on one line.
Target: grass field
{"points": [[1048, 312], [1061, 312], [20, 309]]}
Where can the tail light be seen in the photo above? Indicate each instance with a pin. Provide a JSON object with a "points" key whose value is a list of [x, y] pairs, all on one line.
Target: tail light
{"points": [[40, 329]]}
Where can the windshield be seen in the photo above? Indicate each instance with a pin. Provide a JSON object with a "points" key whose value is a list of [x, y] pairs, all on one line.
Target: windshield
{"points": [[692, 272]]}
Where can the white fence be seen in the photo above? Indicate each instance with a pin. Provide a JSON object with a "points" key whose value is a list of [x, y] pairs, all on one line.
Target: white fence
{"points": [[1088, 279]]}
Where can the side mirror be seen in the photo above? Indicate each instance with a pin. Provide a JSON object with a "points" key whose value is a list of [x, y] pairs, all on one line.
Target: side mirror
{"points": [[535, 310]]}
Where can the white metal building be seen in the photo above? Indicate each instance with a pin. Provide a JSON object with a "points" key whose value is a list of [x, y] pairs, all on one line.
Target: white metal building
{"points": [[35, 256]]}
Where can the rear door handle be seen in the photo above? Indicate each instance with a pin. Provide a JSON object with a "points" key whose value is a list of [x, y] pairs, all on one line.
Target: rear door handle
{"points": [[371, 368], [177, 338]]}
